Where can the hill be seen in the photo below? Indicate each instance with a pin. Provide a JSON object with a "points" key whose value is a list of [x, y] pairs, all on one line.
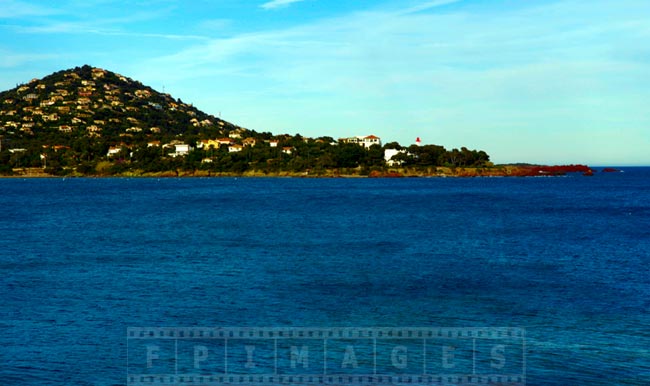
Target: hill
{"points": [[90, 121], [88, 111]]}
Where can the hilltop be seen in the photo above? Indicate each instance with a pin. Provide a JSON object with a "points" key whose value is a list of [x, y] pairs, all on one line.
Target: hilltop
{"points": [[84, 112], [91, 121]]}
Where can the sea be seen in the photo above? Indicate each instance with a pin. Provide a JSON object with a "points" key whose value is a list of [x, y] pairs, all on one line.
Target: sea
{"points": [[88, 264]]}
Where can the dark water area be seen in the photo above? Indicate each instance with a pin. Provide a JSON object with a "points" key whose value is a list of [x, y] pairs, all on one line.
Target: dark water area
{"points": [[565, 258]]}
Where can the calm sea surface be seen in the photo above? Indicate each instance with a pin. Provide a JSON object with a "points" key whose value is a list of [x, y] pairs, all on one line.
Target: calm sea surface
{"points": [[566, 258]]}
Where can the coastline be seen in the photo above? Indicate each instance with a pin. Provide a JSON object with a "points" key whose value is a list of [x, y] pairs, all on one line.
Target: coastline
{"points": [[430, 172]]}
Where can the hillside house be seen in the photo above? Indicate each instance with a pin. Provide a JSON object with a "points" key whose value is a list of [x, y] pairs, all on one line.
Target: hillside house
{"points": [[225, 141], [114, 150], [181, 149], [249, 141], [388, 155], [143, 94], [97, 73], [235, 134], [365, 141], [207, 143], [234, 148]]}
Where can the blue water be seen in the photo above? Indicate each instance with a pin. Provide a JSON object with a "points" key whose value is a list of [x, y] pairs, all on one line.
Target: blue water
{"points": [[565, 258]]}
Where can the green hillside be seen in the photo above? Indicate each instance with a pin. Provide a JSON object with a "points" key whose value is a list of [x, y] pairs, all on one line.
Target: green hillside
{"points": [[89, 121]]}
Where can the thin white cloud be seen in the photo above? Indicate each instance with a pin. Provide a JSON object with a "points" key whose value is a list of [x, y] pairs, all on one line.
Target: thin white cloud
{"points": [[12, 9], [12, 59], [92, 28], [274, 4], [104, 26], [428, 5], [214, 24], [373, 44], [457, 77]]}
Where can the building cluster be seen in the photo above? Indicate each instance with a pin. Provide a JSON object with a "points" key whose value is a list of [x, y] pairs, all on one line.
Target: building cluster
{"points": [[71, 104], [91, 105], [365, 141]]}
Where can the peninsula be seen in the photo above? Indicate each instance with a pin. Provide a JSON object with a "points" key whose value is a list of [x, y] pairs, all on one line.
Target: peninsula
{"points": [[89, 121]]}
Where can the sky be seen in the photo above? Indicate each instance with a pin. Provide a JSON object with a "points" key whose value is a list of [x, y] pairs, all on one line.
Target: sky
{"points": [[554, 81]]}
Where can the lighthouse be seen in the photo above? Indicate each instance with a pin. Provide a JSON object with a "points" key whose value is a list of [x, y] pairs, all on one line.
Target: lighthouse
{"points": [[418, 142]]}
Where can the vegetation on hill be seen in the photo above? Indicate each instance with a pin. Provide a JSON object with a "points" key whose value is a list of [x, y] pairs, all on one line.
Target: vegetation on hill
{"points": [[89, 121]]}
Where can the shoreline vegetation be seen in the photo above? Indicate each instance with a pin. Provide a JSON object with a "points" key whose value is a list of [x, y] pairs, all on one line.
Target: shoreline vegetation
{"points": [[92, 122], [431, 172]]}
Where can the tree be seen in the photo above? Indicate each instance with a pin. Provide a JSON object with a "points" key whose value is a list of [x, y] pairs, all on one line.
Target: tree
{"points": [[375, 157], [349, 155], [393, 145]]}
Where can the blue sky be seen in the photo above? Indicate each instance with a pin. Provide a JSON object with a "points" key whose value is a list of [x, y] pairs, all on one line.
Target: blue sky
{"points": [[556, 81]]}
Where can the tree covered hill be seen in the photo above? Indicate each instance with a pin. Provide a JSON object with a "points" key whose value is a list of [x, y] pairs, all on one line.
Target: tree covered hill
{"points": [[89, 109], [90, 121]]}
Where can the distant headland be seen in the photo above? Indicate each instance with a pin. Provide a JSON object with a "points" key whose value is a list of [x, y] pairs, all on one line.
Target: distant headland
{"points": [[89, 121]]}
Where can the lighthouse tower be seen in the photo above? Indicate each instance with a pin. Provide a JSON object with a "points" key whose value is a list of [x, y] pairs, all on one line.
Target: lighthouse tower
{"points": [[418, 142]]}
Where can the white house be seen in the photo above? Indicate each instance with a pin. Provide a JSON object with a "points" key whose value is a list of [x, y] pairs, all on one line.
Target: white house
{"points": [[235, 134], [181, 149], [235, 148], [365, 141], [113, 150], [388, 155]]}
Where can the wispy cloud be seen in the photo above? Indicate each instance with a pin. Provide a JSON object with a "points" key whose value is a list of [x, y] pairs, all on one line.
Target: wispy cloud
{"points": [[428, 5], [462, 72], [214, 24], [87, 23], [95, 29], [12, 59], [13, 9], [525, 69], [382, 42], [274, 4]]}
